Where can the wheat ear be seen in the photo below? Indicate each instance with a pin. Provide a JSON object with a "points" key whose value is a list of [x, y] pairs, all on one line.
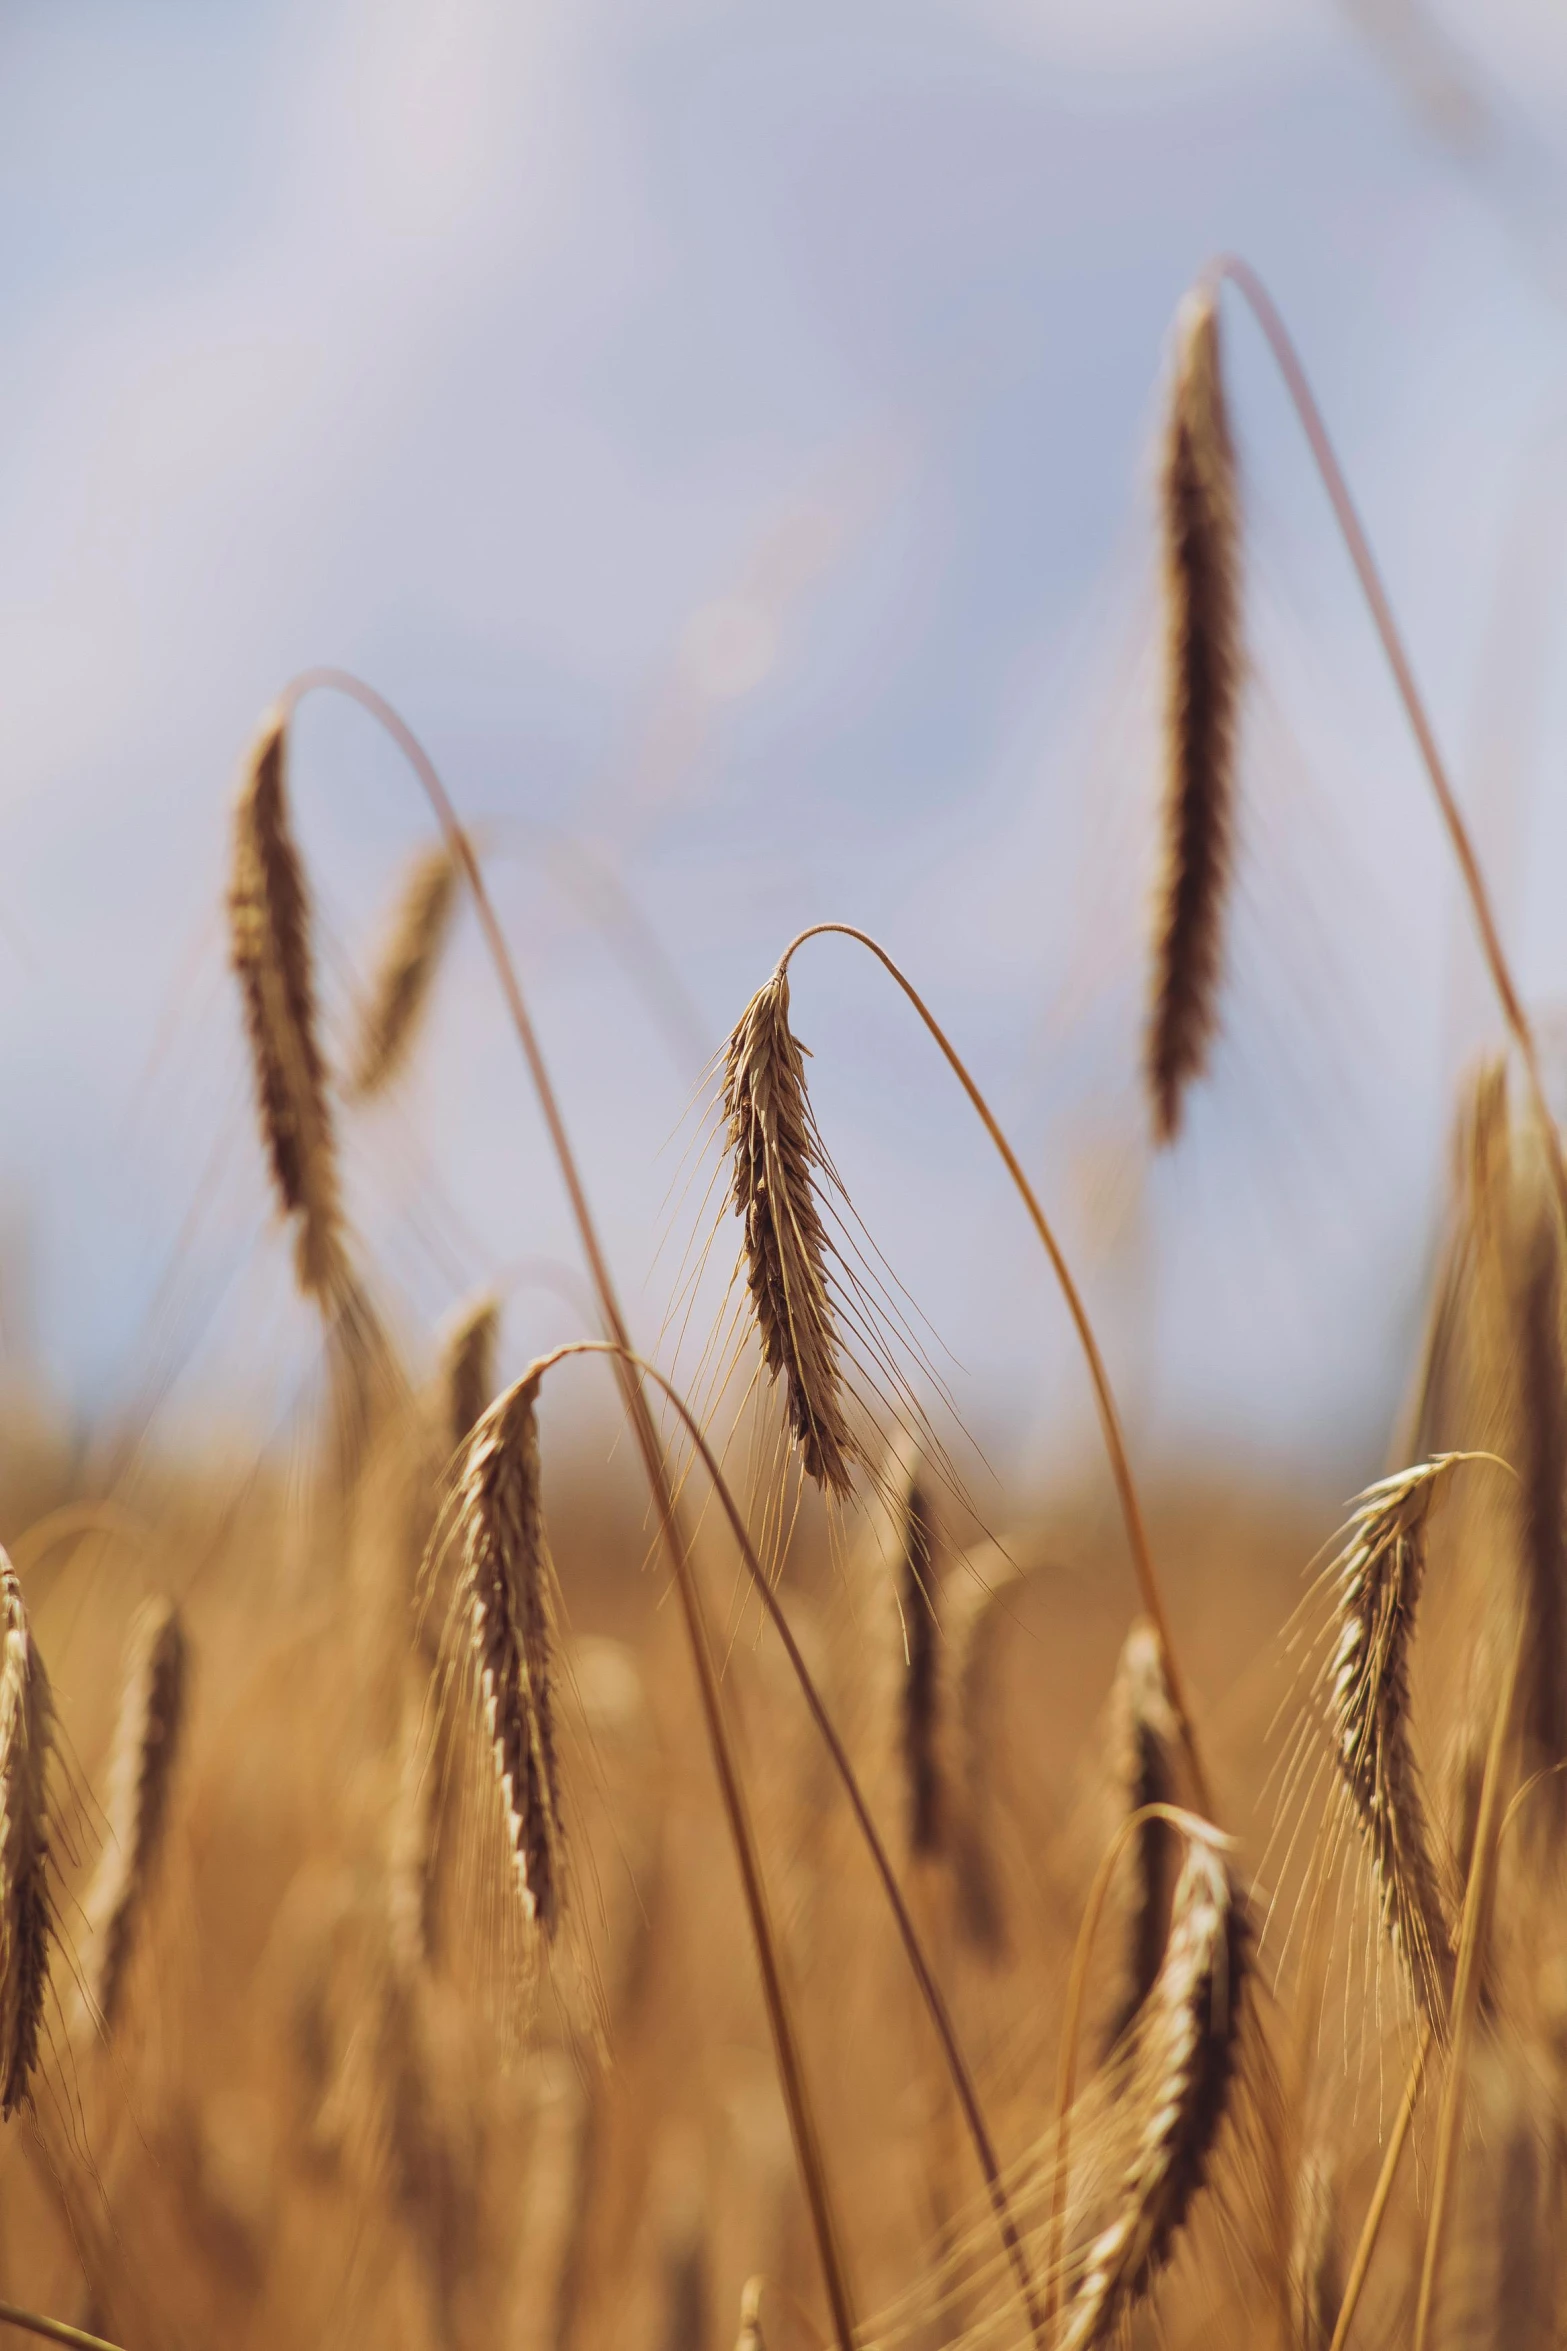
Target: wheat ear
{"points": [[405, 970], [26, 1913], [467, 1372], [1316, 2256], [1200, 519], [1542, 1473], [505, 1593], [1179, 2087], [921, 1671], [141, 1772], [777, 1165], [1146, 1738], [269, 944]]}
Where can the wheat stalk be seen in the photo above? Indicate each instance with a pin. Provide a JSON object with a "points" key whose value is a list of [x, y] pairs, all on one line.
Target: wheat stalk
{"points": [[269, 945], [141, 1770], [1200, 516], [1179, 2088], [405, 970], [26, 1913]]}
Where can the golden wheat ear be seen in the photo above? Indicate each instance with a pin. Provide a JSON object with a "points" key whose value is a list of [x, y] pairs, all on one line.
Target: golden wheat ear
{"points": [[1200, 530], [410, 957], [777, 1171], [1316, 2280], [506, 1595], [141, 1774], [26, 1912], [270, 948], [1183, 2072], [1364, 1690], [1146, 1750], [466, 1381]]}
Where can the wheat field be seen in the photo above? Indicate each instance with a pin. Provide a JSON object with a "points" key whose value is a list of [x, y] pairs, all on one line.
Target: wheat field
{"points": [[455, 1893]]}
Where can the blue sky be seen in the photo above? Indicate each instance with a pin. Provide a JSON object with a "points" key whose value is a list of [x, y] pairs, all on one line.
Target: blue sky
{"points": [[724, 431]]}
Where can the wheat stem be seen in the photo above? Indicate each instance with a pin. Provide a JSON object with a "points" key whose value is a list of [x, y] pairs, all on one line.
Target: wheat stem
{"points": [[1104, 1397], [54, 2328], [742, 1835], [1372, 2229], [1255, 294]]}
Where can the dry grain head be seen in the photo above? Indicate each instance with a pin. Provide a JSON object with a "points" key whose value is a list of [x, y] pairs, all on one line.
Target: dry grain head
{"points": [[26, 1915], [405, 971], [269, 942], [920, 1721], [1179, 2089], [467, 1371], [1539, 1452], [506, 1598], [1146, 1739], [1200, 518], [777, 1169], [1316, 2255], [141, 1773], [1365, 1693]]}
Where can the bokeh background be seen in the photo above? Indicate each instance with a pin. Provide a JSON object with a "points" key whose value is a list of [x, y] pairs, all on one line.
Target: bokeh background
{"points": [[724, 431]]}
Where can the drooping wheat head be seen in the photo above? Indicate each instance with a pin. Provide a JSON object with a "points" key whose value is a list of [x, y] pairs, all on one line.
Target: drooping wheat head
{"points": [[921, 1672], [778, 1167], [141, 1772], [405, 971], [1365, 1692], [1179, 2089], [1316, 2255], [269, 943], [1200, 518], [466, 1380], [26, 1911], [1146, 1749], [505, 1596]]}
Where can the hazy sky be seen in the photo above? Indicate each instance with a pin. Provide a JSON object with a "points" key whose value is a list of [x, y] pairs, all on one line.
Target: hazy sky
{"points": [[724, 431]]}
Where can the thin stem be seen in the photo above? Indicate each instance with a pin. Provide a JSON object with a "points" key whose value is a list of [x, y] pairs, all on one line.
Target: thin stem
{"points": [[1071, 2022], [1466, 1992], [55, 2328], [1109, 1417], [791, 2071], [1372, 2229], [1259, 301], [930, 1990]]}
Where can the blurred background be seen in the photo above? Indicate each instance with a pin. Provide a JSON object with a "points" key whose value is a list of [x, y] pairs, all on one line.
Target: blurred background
{"points": [[725, 433]]}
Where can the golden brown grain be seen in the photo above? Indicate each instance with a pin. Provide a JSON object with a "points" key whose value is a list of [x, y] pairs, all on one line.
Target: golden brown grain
{"points": [[141, 1774], [270, 947], [1146, 1747], [26, 1912], [405, 971], [1200, 518]]}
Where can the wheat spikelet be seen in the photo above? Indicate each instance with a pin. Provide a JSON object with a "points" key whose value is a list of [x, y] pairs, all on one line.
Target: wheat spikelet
{"points": [[777, 1167], [505, 1596], [921, 1671], [269, 944], [467, 1372], [405, 971], [1541, 1461], [1179, 2087], [1200, 516], [1147, 1740], [26, 1915], [750, 2337], [146, 1750], [1376, 1582], [1316, 2257]]}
